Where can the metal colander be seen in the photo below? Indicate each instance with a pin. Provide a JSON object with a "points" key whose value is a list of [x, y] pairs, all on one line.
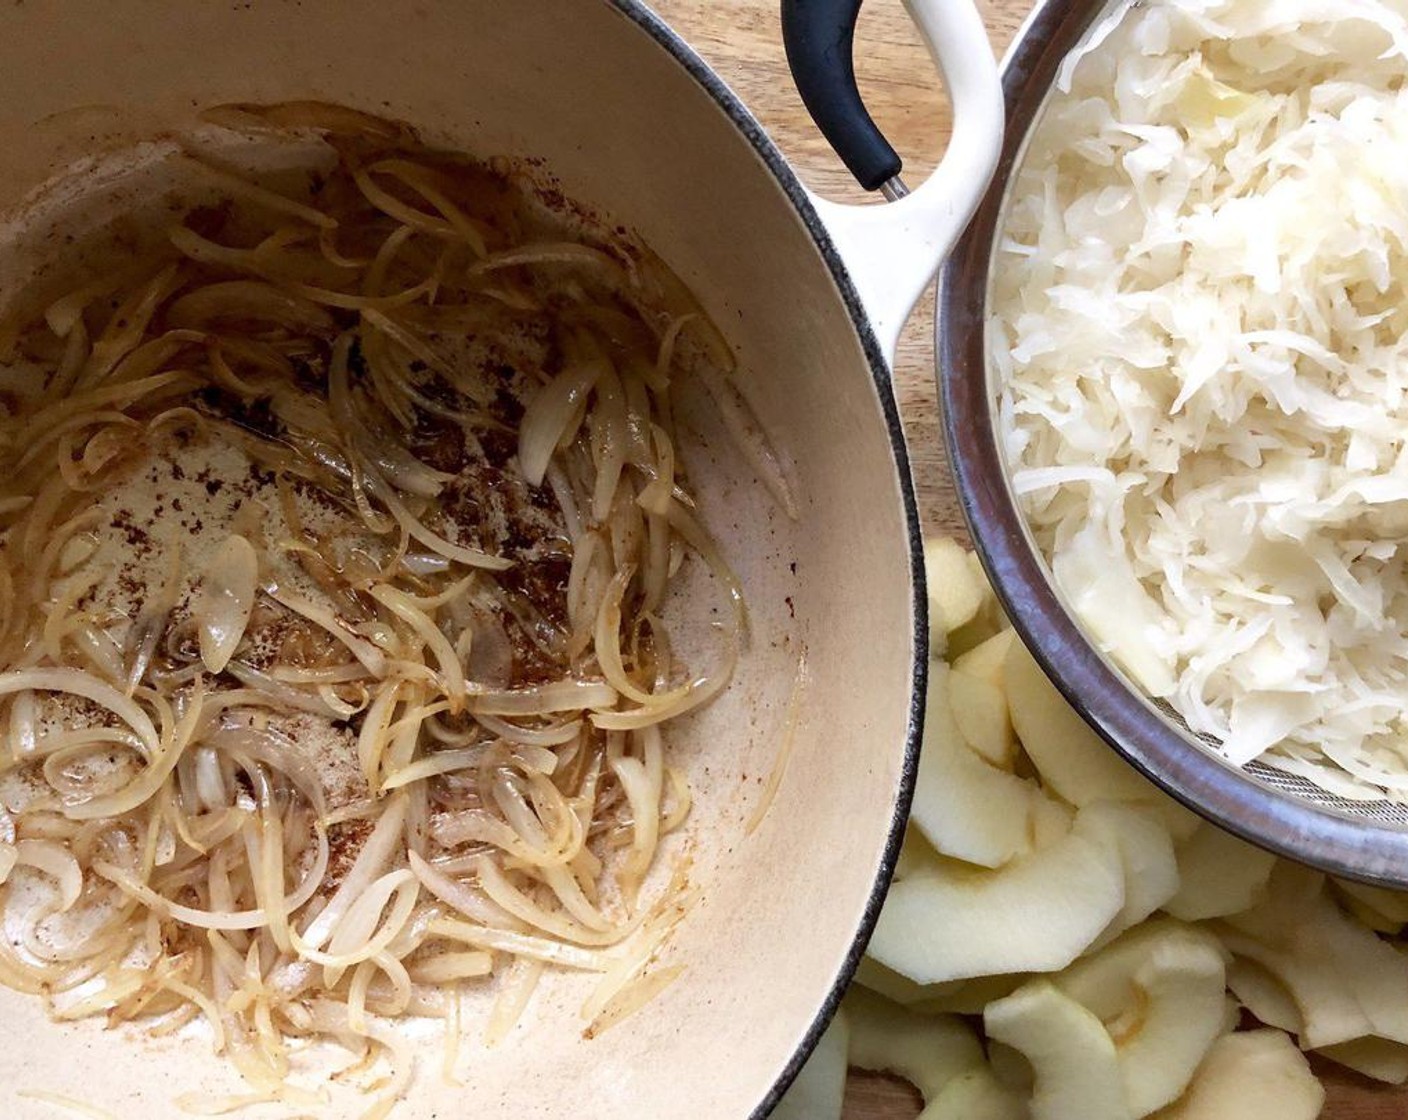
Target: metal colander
{"points": [[1284, 812]]}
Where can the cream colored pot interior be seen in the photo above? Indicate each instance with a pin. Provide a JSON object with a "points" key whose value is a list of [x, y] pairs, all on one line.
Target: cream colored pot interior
{"points": [[625, 129]]}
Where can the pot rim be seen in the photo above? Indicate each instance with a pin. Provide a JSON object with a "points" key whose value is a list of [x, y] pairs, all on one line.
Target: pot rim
{"points": [[786, 178]]}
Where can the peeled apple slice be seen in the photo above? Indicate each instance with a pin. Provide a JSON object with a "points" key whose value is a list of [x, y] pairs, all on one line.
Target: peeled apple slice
{"points": [[1219, 875], [976, 1095], [969, 997], [875, 977], [950, 922], [1009, 1065], [1051, 820], [1391, 906], [980, 713], [1070, 757], [928, 1051], [986, 660], [1366, 915], [1373, 1057], [989, 620], [1263, 995], [1075, 1069], [955, 594], [1328, 1013], [1158, 991], [1346, 982], [819, 1090], [1370, 968], [1251, 1075], [915, 855], [1144, 849], [964, 807], [224, 601], [1072, 760]]}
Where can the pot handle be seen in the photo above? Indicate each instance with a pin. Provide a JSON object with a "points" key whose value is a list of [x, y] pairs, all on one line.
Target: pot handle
{"points": [[893, 251]]}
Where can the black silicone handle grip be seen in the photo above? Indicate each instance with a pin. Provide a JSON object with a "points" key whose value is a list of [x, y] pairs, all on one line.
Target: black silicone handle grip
{"points": [[819, 36]]}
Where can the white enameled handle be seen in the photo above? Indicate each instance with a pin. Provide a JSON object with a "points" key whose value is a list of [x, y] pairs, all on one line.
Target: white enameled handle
{"points": [[893, 250]]}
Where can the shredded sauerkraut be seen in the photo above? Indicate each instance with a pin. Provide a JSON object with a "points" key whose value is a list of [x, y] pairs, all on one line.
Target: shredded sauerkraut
{"points": [[1198, 321]]}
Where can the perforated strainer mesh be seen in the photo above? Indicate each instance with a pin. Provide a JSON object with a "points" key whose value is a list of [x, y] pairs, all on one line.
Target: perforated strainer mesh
{"points": [[1284, 782], [1390, 812]]}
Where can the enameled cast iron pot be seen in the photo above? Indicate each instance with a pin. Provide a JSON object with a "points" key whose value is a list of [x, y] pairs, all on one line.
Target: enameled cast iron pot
{"points": [[811, 295]]}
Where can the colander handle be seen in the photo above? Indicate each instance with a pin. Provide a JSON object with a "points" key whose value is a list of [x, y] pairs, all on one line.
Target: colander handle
{"points": [[893, 251]]}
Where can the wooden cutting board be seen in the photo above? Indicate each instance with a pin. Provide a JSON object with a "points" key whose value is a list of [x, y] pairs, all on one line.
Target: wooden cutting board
{"points": [[741, 40]]}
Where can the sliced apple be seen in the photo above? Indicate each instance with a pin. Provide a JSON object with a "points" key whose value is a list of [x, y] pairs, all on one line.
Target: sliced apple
{"points": [[1068, 755], [1104, 981], [987, 659], [1075, 1069], [977, 1095], [819, 1089], [1037, 914], [1280, 935], [966, 808], [1290, 888], [1158, 991], [980, 713], [990, 603], [916, 853], [928, 1051], [1181, 822], [1144, 849], [1051, 820], [1219, 874], [1231, 1015], [1251, 1075], [969, 997], [1346, 982], [1071, 760], [955, 594], [1010, 1066], [1263, 995], [873, 975], [1390, 906], [989, 620], [1366, 915], [1374, 973], [1373, 1057], [1328, 1012], [954, 997]]}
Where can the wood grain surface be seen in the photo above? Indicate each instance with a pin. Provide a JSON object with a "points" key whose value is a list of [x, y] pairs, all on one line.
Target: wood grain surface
{"points": [[741, 40]]}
